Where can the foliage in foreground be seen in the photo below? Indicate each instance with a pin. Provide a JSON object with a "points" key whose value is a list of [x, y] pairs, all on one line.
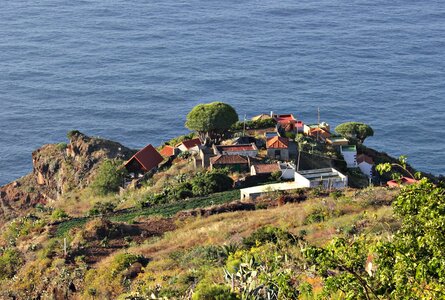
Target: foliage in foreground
{"points": [[409, 265]]}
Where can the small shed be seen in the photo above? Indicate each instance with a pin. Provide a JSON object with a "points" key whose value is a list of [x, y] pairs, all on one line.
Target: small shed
{"points": [[169, 151], [278, 148], [145, 160], [242, 149], [264, 169]]}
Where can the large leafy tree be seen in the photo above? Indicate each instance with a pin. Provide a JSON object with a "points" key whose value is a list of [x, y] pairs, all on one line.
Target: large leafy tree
{"points": [[409, 265], [355, 130], [211, 120]]}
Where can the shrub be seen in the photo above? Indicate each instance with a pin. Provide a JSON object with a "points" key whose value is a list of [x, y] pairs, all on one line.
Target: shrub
{"points": [[268, 234], [59, 214], [212, 182], [315, 216], [108, 178], [61, 146], [102, 208], [207, 291], [10, 262], [72, 133], [336, 194]]}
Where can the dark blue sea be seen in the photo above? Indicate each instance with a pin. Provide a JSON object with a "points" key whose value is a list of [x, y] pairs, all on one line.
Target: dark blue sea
{"points": [[131, 70]]}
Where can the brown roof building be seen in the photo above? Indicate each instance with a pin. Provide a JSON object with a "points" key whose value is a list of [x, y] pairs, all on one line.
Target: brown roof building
{"points": [[277, 142], [234, 162], [144, 160], [168, 151], [264, 169]]}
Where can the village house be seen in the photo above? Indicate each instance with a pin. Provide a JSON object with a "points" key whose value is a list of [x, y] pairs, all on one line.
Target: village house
{"points": [[243, 149], [349, 155], [236, 163], [169, 151], [202, 160], [319, 133], [288, 123], [145, 160], [327, 178], [261, 117], [278, 148], [365, 164], [337, 141], [192, 145], [264, 169], [401, 181]]}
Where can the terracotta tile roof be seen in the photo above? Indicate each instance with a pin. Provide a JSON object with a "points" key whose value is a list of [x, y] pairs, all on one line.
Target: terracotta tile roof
{"points": [[403, 181], [148, 158], [322, 132], [261, 117], [364, 158], [236, 148], [228, 160], [277, 142], [190, 143], [167, 151], [284, 118], [266, 168]]}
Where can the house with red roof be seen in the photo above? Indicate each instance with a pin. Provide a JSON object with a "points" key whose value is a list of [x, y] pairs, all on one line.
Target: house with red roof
{"points": [[192, 145], [250, 150], [145, 160], [278, 148], [264, 169], [319, 133], [236, 162], [169, 151], [288, 123], [401, 181]]}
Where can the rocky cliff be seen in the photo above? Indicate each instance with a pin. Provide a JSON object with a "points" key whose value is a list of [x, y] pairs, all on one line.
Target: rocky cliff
{"points": [[57, 169]]}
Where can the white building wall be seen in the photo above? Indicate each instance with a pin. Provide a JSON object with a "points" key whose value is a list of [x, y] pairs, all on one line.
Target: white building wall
{"points": [[366, 168], [351, 158]]}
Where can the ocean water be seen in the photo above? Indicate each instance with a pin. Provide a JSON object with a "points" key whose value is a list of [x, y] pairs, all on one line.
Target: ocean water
{"points": [[131, 70]]}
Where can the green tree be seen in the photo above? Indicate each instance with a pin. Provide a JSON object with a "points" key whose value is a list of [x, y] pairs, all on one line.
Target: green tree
{"points": [[211, 120], [355, 131], [108, 178], [409, 265]]}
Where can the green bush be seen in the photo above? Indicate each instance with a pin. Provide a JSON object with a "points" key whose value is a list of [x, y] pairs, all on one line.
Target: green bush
{"points": [[207, 291], [59, 214], [211, 182], [315, 216], [10, 262], [61, 146], [108, 178], [268, 234], [72, 133], [102, 208], [259, 124]]}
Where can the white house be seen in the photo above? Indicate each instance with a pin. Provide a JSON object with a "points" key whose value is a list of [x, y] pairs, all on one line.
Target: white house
{"points": [[192, 145], [365, 163], [350, 155], [328, 178]]}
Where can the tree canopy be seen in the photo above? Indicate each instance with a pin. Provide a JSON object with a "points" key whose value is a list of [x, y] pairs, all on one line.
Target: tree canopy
{"points": [[211, 120], [408, 265], [355, 131]]}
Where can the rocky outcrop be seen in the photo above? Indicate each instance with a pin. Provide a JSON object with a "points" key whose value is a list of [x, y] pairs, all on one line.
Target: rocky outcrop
{"points": [[57, 169]]}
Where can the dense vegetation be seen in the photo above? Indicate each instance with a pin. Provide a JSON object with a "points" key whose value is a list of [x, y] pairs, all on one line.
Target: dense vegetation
{"points": [[211, 120], [355, 131]]}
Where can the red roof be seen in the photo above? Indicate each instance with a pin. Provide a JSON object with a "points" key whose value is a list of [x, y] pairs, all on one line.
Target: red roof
{"points": [[191, 143], [402, 181], [266, 168], [277, 142], [228, 160], [364, 158], [284, 118], [148, 158], [167, 151], [236, 148]]}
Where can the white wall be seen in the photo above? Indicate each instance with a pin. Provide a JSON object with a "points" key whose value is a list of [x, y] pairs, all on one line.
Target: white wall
{"points": [[366, 168], [350, 158]]}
